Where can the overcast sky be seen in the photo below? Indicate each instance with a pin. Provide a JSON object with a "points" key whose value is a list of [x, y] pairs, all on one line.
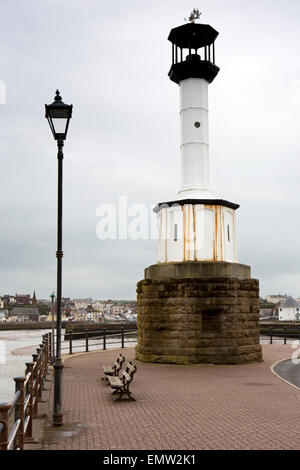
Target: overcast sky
{"points": [[110, 58]]}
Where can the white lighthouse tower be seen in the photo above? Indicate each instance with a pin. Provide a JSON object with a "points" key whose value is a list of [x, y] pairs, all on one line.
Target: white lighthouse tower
{"points": [[196, 226], [197, 304]]}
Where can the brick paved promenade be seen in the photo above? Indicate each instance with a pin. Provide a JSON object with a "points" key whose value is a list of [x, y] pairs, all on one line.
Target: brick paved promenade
{"points": [[177, 407]]}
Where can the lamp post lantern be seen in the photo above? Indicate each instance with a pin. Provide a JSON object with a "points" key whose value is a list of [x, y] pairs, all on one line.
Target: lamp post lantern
{"points": [[58, 114]]}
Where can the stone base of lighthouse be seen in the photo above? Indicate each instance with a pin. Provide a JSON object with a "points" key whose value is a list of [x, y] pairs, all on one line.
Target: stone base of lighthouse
{"points": [[198, 312]]}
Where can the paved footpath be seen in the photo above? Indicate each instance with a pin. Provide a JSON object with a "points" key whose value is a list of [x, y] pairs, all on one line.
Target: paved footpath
{"points": [[177, 407]]}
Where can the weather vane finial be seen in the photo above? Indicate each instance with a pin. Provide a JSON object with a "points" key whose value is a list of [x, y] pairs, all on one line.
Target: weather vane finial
{"points": [[195, 15]]}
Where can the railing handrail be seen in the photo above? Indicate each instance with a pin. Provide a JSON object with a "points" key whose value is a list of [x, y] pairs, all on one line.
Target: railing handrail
{"points": [[25, 401], [14, 402], [13, 433], [120, 333], [108, 332]]}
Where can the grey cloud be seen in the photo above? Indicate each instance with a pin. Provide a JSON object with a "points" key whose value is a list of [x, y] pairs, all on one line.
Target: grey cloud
{"points": [[111, 59]]}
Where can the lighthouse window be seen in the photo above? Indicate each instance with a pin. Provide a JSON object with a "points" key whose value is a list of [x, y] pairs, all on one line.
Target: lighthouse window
{"points": [[228, 233], [175, 233], [197, 124]]}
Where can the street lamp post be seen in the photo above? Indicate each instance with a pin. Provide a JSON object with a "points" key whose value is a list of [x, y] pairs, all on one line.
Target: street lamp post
{"points": [[52, 336], [59, 115]]}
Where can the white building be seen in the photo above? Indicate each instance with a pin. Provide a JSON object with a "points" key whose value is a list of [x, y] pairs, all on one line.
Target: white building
{"points": [[289, 310], [274, 299], [2, 317], [98, 306]]}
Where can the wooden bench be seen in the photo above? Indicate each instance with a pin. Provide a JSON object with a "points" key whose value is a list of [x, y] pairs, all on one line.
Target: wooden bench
{"points": [[121, 385], [115, 369]]}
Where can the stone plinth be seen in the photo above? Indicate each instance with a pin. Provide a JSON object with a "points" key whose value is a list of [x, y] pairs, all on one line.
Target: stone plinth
{"points": [[205, 314]]}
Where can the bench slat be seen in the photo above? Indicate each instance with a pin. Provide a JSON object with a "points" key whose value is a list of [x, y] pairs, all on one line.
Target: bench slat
{"points": [[127, 376], [130, 366], [115, 382]]}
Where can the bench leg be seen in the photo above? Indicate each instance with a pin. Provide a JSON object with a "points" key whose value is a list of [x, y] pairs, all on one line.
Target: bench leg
{"points": [[130, 397]]}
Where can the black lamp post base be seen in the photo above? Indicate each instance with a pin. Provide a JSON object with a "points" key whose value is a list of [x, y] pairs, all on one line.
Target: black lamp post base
{"points": [[57, 418]]}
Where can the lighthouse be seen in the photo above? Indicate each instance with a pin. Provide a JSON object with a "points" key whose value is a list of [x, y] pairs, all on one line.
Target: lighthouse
{"points": [[196, 226], [197, 304]]}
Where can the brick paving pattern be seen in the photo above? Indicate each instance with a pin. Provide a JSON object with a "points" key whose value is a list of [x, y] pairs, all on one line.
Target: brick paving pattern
{"points": [[177, 407]]}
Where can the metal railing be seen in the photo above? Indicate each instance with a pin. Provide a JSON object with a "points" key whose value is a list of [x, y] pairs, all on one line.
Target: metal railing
{"points": [[24, 406], [281, 332], [104, 339]]}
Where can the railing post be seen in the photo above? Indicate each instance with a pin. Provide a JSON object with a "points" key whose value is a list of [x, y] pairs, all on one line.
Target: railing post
{"points": [[271, 335], [48, 357], [50, 345], [39, 374], [41, 348], [86, 340], [104, 338], [42, 367], [70, 342], [45, 355], [19, 413], [284, 333], [36, 384], [29, 391], [4, 407], [123, 338]]}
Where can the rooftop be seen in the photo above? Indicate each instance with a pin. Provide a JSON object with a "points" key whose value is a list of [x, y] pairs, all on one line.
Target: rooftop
{"points": [[289, 302]]}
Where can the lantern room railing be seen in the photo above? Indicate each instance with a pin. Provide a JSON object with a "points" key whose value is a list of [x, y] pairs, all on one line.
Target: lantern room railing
{"points": [[16, 418], [180, 54]]}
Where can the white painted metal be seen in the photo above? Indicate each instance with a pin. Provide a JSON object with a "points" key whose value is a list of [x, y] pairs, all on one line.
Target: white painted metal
{"points": [[196, 233], [194, 146]]}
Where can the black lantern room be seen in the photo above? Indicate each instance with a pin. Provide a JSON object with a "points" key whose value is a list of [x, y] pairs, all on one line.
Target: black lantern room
{"points": [[193, 52]]}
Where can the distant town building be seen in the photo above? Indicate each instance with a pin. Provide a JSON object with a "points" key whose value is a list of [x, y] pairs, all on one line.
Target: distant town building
{"points": [[8, 300], [43, 317], [289, 310], [116, 309], [23, 299], [2, 316], [265, 312], [25, 314], [98, 306], [276, 309], [274, 299], [45, 302]]}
